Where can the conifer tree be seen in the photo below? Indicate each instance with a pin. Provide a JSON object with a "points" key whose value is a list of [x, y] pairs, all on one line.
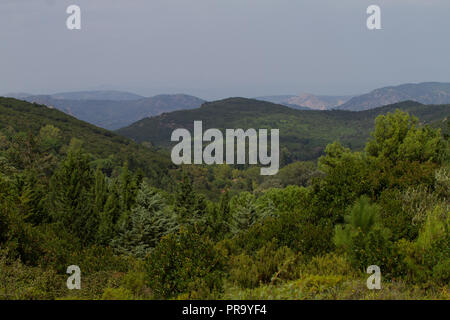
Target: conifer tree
{"points": [[71, 196], [220, 220], [190, 207], [147, 223], [100, 191], [128, 188], [4, 205], [246, 211]]}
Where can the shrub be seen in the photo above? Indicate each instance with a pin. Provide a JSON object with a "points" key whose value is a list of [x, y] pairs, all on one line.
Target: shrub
{"points": [[117, 294], [183, 263], [441, 272], [314, 286], [442, 182], [99, 259], [396, 214], [268, 265], [418, 201], [134, 281], [427, 258], [299, 230], [363, 238], [18, 281], [329, 264]]}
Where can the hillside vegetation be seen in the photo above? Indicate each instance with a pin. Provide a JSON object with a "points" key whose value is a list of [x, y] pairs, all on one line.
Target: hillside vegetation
{"points": [[141, 229], [303, 134], [108, 148]]}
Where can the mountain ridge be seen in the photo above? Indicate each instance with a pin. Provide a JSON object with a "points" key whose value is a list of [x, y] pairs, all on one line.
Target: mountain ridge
{"points": [[304, 134], [425, 92], [305, 101], [114, 114]]}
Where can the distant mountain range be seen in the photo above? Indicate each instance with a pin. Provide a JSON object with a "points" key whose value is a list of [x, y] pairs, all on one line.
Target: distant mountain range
{"points": [[303, 134], [84, 95], [426, 93], [117, 109], [307, 101], [98, 95], [121, 108]]}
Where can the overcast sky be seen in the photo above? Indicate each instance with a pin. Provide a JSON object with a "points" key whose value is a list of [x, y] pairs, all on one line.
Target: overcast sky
{"points": [[220, 48]]}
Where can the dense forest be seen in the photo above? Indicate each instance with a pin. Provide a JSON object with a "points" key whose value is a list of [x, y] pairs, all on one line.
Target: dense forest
{"points": [[141, 228], [303, 133]]}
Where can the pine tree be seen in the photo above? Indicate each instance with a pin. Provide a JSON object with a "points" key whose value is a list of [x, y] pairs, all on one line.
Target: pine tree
{"points": [[128, 188], [190, 207], [147, 223], [30, 194], [220, 220], [246, 211], [71, 196], [100, 191], [107, 207], [5, 205]]}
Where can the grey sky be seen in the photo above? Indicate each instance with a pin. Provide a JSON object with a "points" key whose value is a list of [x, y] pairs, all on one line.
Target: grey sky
{"points": [[221, 48]]}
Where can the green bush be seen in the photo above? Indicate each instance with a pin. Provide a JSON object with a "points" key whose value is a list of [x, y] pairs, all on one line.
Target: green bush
{"points": [[300, 230], [329, 264], [363, 238], [399, 216], [117, 294], [18, 281], [268, 265], [427, 258], [441, 272], [185, 262]]}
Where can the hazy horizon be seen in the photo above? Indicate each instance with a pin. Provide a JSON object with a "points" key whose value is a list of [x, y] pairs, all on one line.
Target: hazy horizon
{"points": [[216, 49]]}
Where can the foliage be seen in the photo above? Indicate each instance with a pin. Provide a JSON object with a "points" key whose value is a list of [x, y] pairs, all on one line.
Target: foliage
{"points": [[74, 194], [148, 222], [363, 238], [184, 262], [268, 265], [303, 133]]}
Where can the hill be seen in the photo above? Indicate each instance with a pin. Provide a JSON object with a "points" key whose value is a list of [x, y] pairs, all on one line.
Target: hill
{"points": [[83, 95], [426, 93], [114, 114], [306, 101], [303, 134], [21, 116], [98, 95]]}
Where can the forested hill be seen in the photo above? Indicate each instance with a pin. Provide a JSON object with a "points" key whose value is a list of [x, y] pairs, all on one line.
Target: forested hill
{"points": [[303, 134], [108, 148]]}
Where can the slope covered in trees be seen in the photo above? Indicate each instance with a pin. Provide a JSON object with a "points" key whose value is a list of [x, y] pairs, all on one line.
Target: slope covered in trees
{"points": [[303, 134], [107, 148], [311, 234]]}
